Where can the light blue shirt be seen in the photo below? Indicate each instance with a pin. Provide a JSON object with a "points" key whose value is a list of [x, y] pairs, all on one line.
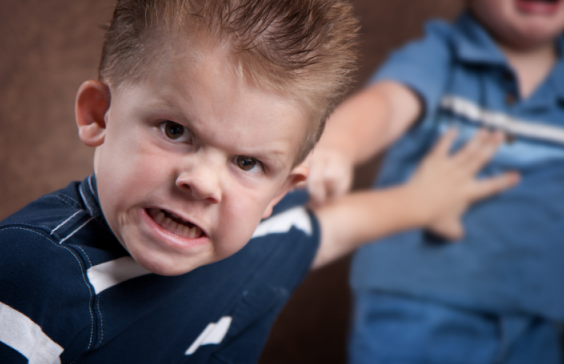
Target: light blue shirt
{"points": [[512, 256]]}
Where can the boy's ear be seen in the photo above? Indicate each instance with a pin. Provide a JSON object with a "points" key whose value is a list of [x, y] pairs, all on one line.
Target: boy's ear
{"points": [[297, 175], [92, 103]]}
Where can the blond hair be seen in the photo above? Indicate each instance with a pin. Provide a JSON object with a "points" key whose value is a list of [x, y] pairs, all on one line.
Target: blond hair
{"points": [[305, 49]]}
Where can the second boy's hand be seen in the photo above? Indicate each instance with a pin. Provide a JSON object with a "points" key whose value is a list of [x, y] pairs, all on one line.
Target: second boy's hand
{"points": [[445, 185], [435, 198]]}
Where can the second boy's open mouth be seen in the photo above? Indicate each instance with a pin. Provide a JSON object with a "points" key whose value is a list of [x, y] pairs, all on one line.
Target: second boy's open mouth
{"points": [[174, 223], [540, 6], [542, 1]]}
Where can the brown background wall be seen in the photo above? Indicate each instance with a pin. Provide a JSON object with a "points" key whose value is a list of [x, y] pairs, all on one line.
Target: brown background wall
{"points": [[49, 47]]}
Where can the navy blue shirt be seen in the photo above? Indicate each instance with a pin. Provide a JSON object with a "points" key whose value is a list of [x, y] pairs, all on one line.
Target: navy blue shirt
{"points": [[71, 293], [512, 256]]}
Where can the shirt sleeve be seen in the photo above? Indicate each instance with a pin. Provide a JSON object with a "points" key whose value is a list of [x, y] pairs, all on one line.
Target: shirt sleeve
{"points": [[285, 245], [44, 301], [422, 65]]}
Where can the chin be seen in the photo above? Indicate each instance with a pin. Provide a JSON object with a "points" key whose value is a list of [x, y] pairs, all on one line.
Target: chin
{"points": [[166, 266], [534, 39]]}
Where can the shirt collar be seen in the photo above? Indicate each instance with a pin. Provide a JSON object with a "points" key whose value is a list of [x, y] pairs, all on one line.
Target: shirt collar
{"points": [[89, 192], [553, 86], [473, 44]]}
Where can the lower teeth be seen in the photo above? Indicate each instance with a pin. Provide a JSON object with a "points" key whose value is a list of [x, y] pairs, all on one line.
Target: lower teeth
{"points": [[169, 224]]}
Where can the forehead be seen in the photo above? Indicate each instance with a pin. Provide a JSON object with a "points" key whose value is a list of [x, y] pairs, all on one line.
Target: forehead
{"points": [[203, 87]]}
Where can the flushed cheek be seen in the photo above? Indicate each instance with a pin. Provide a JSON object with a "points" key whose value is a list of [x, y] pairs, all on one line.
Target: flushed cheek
{"points": [[119, 201], [123, 224], [237, 225]]}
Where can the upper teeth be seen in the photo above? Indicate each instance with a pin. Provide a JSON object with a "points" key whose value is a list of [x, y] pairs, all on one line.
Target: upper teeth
{"points": [[176, 216], [180, 229]]}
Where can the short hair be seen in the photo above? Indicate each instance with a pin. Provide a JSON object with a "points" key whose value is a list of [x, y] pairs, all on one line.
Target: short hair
{"points": [[305, 49]]}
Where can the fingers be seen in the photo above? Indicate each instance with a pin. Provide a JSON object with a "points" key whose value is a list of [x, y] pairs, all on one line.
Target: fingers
{"points": [[330, 176], [323, 190], [316, 180], [316, 187], [491, 186], [317, 195], [478, 151], [444, 144]]}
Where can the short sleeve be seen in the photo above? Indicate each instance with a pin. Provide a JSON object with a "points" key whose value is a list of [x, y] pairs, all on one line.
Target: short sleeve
{"points": [[293, 232], [284, 246], [422, 65], [42, 305]]}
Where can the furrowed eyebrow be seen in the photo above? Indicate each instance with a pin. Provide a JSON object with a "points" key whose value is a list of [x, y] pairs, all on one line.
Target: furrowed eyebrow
{"points": [[166, 111], [272, 157], [166, 108]]}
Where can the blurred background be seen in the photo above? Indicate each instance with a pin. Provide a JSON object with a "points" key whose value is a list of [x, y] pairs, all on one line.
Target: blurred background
{"points": [[50, 47]]}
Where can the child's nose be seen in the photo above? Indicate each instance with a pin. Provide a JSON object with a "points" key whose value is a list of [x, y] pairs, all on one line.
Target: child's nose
{"points": [[201, 183]]}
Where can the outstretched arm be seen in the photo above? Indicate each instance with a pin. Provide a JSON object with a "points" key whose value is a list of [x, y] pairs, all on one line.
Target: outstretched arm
{"points": [[435, 198], [362, 126]]}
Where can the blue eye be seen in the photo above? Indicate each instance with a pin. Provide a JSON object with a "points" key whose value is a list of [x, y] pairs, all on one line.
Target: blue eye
{"points": [[246, 163]]}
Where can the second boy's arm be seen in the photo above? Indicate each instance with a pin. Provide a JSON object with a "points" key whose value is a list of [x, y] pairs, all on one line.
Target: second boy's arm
{"points": [[435, 198], [406, 89], [361, 127], [370, 120]]}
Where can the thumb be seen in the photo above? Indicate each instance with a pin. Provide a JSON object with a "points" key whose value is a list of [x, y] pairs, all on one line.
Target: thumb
{"points": [[451, 229]]}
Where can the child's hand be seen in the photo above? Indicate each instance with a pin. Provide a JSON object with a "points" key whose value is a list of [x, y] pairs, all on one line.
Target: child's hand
{"points": [[330, 176], [445, 185]]}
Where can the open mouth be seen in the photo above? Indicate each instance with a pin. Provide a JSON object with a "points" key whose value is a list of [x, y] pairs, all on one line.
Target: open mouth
{"points": [[538, 6], [174, 223], [541, 1]]}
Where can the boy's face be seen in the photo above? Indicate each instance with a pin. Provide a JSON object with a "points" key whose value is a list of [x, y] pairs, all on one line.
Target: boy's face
{"points": [[191, 161], [522, 24]]}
